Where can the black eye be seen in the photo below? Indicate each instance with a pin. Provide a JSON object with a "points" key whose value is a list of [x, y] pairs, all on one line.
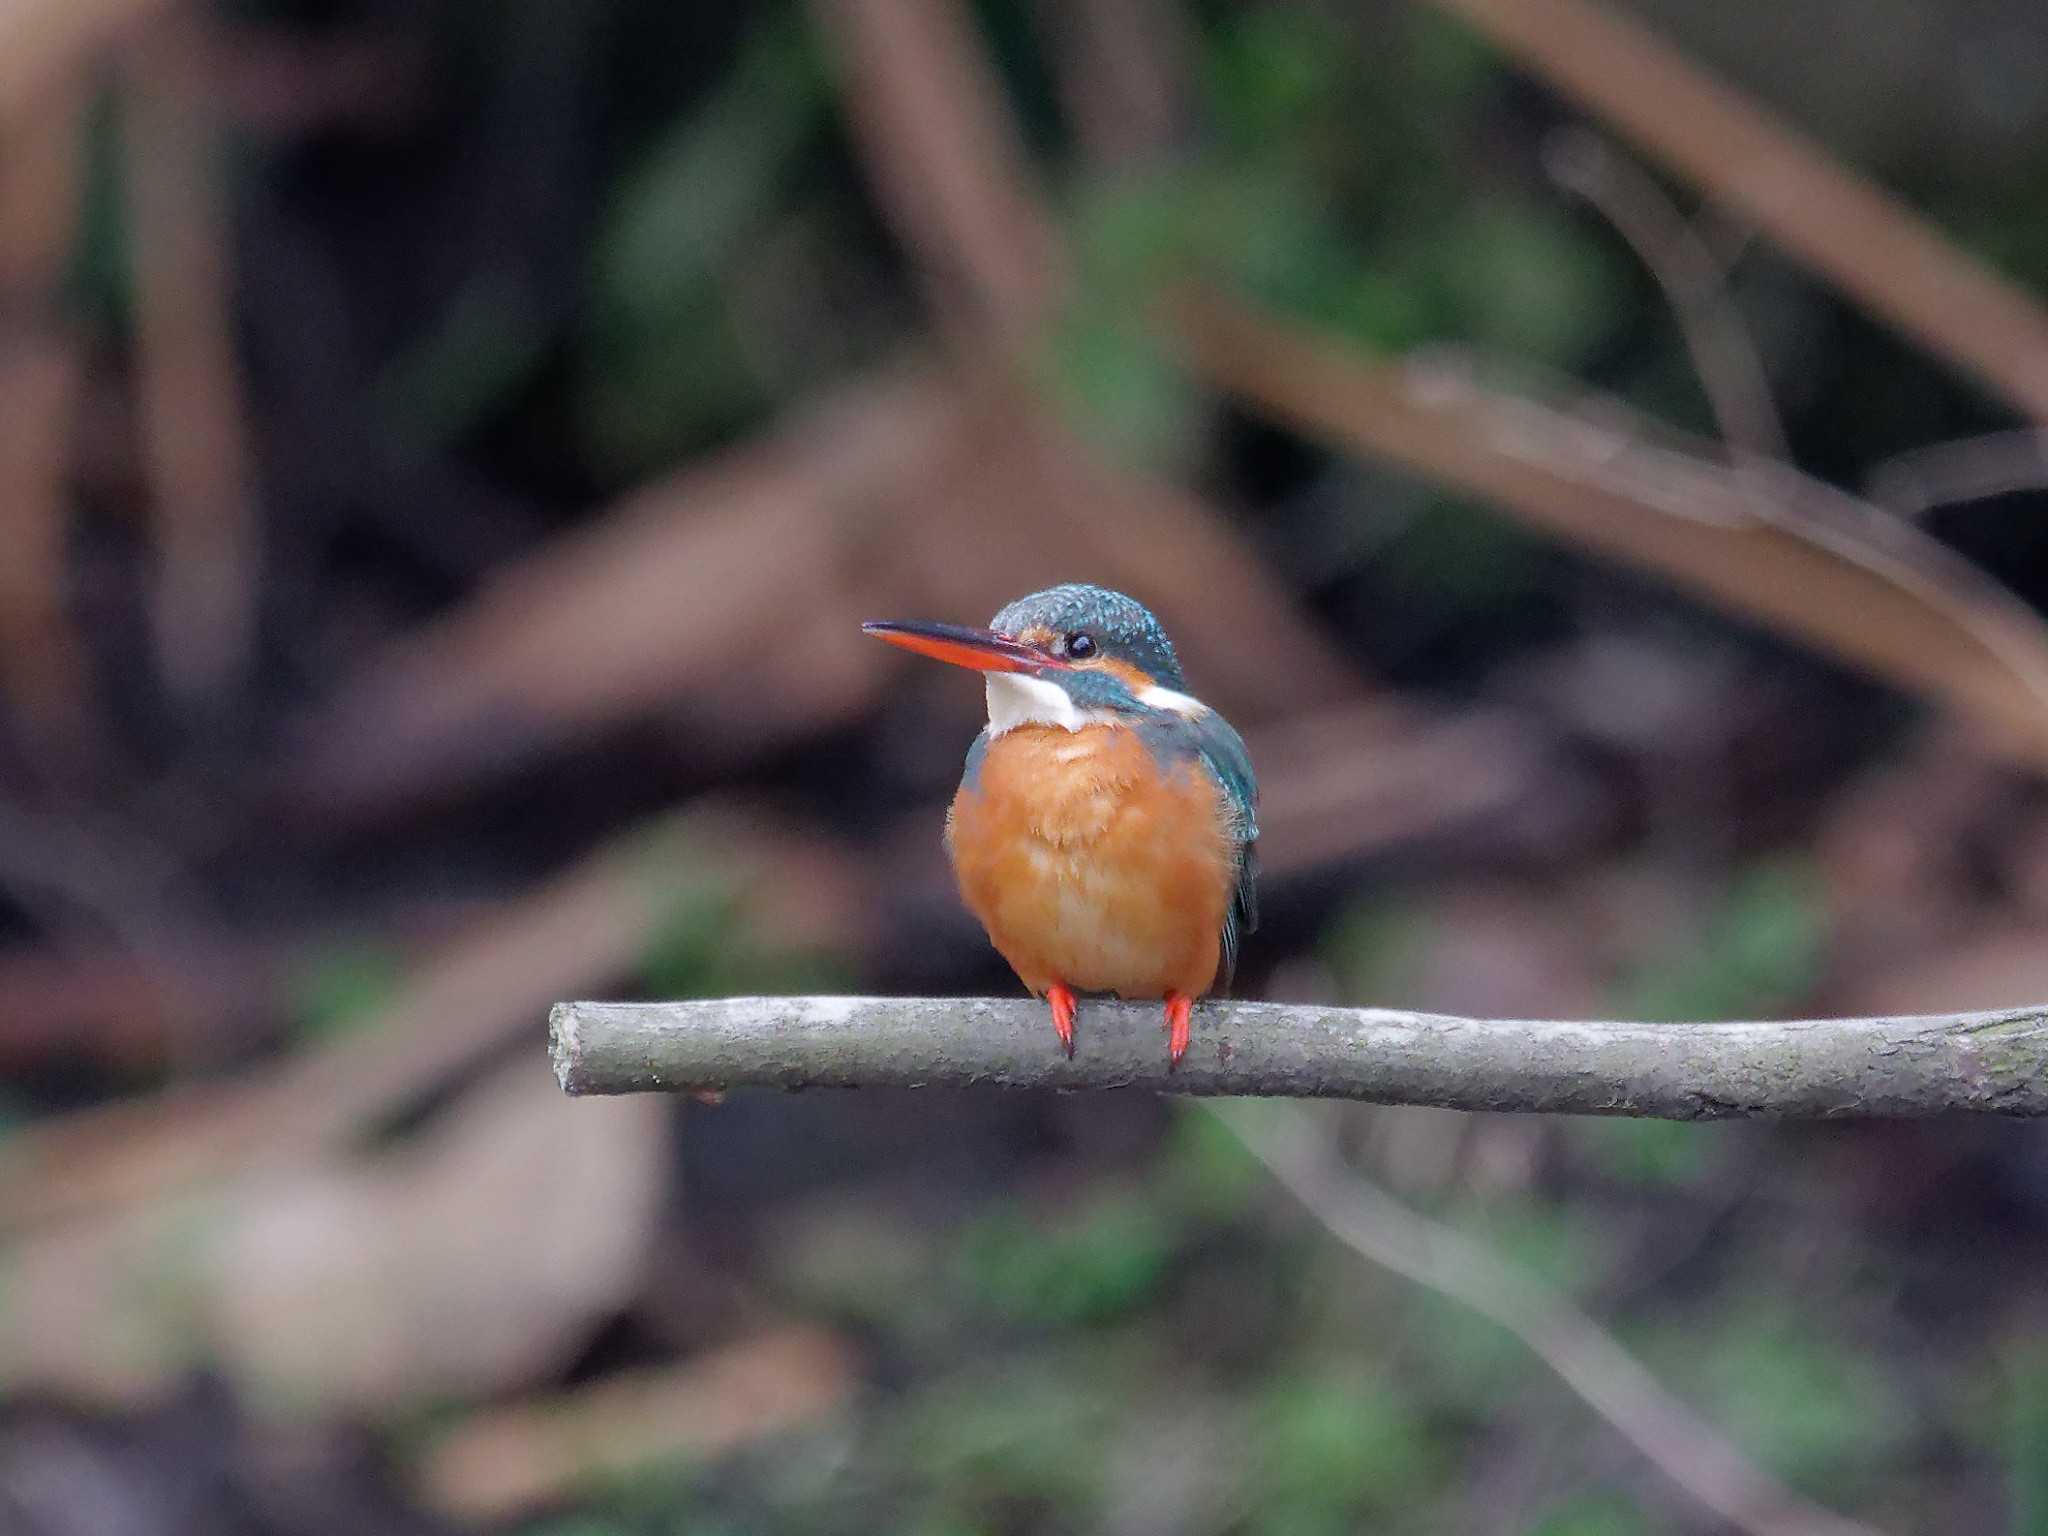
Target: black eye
{"points": [[1080, 645]]}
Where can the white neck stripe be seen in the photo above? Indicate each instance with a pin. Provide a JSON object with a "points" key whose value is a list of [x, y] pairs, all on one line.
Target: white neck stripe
{"points": [[1156, 697], [1015, 699]]}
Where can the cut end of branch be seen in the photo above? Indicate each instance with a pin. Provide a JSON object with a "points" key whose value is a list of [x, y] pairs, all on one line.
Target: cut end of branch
{"points": [[564, 1046]]}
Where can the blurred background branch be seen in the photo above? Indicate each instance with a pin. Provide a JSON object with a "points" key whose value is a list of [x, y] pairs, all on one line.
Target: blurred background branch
{"points": [[1841, 574], [189, 394], [41, 374], [45, 44], [1693, 279], [1849, 230]]}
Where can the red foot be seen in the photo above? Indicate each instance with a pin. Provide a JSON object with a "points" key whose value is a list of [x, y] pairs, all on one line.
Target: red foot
{"points": [[1178, 1011], [1061, 996]]}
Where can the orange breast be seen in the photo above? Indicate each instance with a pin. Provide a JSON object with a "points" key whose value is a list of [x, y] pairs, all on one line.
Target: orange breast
{"points": [[1091, 866]]}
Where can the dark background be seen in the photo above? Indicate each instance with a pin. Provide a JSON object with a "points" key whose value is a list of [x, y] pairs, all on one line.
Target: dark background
{"points": [[446, 452]]}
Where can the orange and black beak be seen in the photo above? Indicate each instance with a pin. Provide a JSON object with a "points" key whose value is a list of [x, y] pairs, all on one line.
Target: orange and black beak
{"points": [[981, 649]]}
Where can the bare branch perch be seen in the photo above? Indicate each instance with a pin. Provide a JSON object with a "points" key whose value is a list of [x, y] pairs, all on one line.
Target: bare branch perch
{"points": [[1986, 1063]]}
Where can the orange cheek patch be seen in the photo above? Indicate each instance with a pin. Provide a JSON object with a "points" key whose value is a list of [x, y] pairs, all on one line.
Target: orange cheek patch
{"points": [[1131, 677]]}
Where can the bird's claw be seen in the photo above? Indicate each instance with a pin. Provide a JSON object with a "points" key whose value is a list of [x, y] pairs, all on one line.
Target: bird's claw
{"points": [[1061, 997], [1179, 1018]]}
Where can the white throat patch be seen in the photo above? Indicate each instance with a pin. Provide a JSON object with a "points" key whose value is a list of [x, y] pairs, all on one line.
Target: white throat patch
{"points": [[1015, 699]]}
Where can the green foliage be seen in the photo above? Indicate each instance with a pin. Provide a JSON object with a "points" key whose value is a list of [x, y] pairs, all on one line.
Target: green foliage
{"points": [[666, 363], [488, 342], [857, 1260], [1093, 1266], [1654, 1152], [1340, 204], [2028, 1458], [1204, 1172], [1449, 62], [1465, 1367], [700, 946], [342, 986], [1800, 1398], [656, 1501], [1558, 1244], [1473, 1361], [1327, 1446], [1761, 951], [101, 279], [1593, 1517], [1271, 68], [1369, 948], [1033, 1435], [1326, 202], [718, 175], [687, 944], [1525, 279], [1112, 379], [1462, 564]]}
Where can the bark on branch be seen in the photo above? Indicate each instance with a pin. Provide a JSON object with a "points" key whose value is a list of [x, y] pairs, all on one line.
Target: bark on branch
{"points": [[1986, 1063]]}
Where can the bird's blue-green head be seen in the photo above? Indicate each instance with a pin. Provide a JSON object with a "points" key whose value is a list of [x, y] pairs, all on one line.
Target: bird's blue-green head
{"points": [[1068, 656], [1086, 626]]}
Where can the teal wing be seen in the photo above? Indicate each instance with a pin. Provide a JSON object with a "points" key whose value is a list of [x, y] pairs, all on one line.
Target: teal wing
{"points": [[970, 777], [1221, 751]]}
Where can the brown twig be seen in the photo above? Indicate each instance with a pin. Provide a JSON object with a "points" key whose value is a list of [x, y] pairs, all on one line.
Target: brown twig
{"points": [[503, 1461], [1693, 281], [91, 1000], [41, 370], [193, 419], [1344, 783], [1921, 480], [685, 584], [1804, 557], [1124, 71], [1841, 224], [946, 160], [592, 923], [44, 43]]}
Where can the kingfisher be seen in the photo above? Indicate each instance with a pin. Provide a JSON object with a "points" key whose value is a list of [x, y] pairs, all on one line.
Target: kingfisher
{"points": [[1105, 828]]}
